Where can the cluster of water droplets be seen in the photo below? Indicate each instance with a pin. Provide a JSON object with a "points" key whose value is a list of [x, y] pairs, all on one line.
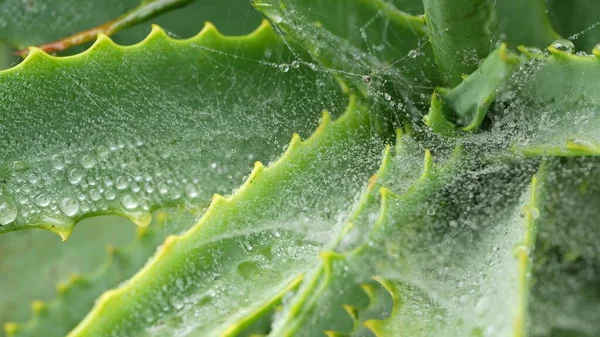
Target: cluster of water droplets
{"points": [[76, 183]]}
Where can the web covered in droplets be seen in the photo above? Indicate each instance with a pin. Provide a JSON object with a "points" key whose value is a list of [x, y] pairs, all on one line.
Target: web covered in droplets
{"points": [[88, 172], [397, 88]]}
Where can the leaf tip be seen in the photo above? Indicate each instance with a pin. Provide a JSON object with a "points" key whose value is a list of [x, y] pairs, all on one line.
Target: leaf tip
{"points": [[103, 40], [10, 329], [157, 30], [38, 307], [374, 326], [169, 242]]}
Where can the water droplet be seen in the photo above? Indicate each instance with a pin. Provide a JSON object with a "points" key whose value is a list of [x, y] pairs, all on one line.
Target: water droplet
{"points": [[135, 187], [191, 191], [453, 223], [69, 206], [8, 210], [33, 178], [367, 79], [387, 96], [57, 162], [129, 202], [94, 194], [163, 188], [177, 303], [19, 165], [413, 53], [563, 45], [164, 152], [102, 151], [110, 195], [284, 67], [121, 183], [295, 64], [88, 161], [75, 176], [42, 200]]}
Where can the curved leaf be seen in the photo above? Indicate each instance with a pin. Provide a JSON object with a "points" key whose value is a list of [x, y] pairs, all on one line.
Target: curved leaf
{"points": [[551, 106], [242, 256], [468, 102], [76, 297], [124, 130], [437, 231], [33, 262], [566, 266], [461, 34], [524, 23], [375, 46]]}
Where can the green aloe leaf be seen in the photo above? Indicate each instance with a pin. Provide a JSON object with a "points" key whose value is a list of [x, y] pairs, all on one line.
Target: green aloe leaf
{"points": [[332, 298], [468, 102], [425, 237], [375, 46], [552, 103], [76, 295], [247, 249], [524, 23], [27, 23], [492, 234], [461, 34], [132, 128], [566, 271], [52, 261]]}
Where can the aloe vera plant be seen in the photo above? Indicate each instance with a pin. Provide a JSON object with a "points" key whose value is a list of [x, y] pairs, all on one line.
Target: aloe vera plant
{"points": [[342, 168]]}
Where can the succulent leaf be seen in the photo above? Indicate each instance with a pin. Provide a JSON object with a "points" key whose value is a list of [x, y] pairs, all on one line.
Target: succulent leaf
{"points": [[124, 143], [524, 23], [247, 248], [51, 261], [375, 46], [460, 33], [76, 297], [468, 102], [553, 106], [492, 234]]}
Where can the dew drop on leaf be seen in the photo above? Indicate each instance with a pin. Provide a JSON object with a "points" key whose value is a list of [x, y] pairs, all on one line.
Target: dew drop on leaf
{"points": [[8, 210], [284, 67], [563, 45], [75, 176], [42, 200], [129, 201], [69, 206], [57, 162], [88, 161], [367, 79], [191, 191], [121, 183]]}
